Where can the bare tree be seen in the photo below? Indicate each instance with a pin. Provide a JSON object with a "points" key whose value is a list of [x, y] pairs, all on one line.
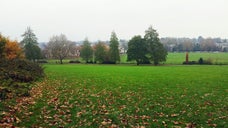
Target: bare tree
{"points": [[187, 45], [60, 47], [208, 45]]}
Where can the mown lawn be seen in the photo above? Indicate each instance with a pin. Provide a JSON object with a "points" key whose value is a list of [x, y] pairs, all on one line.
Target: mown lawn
{"points": [[128, 96]]}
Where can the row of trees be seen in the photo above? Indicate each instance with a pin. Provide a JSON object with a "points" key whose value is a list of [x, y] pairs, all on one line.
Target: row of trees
{"points": [[59, 47], [100, 52], [195, 44], [143, 50]]}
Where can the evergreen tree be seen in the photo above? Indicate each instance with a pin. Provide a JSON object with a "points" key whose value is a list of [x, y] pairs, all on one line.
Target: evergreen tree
{"points": [[114, 48], [156, 51], [30, 45], [86, 51]]}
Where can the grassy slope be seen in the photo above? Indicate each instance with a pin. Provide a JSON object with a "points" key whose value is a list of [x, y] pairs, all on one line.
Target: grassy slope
{"points": [[104, 95]]}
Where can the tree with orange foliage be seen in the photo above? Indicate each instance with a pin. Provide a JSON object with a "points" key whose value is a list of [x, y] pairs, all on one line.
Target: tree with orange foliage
{"points": [[10, 49]]}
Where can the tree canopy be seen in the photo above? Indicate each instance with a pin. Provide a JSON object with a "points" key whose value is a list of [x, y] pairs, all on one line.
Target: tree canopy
{"points": [[137, 50], [10, 49], [100, 52]]}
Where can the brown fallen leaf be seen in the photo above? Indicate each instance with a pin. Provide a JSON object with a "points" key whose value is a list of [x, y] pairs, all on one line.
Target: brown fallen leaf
{"points": [[174, 115]]}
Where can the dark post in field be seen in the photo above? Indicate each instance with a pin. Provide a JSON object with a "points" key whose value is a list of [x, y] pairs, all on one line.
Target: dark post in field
{"points": [[186, 59]]}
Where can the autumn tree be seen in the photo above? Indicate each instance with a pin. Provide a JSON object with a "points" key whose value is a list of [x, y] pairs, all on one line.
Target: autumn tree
{"points": [[156, 51], [114, 48], [137, 50], [30, 45], [60, 47], [100, 52], [13, 50], [86, 51], [10, 49]]}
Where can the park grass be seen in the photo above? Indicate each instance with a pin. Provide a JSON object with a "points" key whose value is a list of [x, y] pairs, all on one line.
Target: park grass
{"points": [[129, 96], [215, 57], [173, 58], [178, 58]]}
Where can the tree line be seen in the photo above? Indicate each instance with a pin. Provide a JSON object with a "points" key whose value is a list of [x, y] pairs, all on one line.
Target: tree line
{"points": [[195, 44], [142, 50]]}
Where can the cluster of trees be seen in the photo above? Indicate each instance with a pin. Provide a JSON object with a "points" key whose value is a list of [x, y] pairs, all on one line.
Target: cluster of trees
{"points": [[28, 48], [142, 50], [100, 52], [195, 44], [59, 47], [146, 49]]}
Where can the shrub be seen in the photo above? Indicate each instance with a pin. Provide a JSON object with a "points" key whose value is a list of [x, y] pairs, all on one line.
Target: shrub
{"points": [[201, 60], [190, 62], [108, 62], [42, 61], [90, 62], [16, 77], [206, 62], [74, 61]]}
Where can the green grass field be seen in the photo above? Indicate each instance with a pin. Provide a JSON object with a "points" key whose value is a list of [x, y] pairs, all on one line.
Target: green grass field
{"points": [[216, 58], [129, 96], [179, 58], [176, 58]]}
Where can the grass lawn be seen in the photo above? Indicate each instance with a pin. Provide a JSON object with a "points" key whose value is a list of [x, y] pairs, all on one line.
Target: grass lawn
{"points": [[128, 96], [179, 57], [216, 58]]}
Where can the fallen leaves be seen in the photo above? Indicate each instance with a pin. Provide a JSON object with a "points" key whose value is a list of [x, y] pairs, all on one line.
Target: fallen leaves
{"points": [[77, 105], [22, 106], [174, 115]]}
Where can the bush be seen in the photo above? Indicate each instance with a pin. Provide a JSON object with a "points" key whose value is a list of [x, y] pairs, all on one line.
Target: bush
{"points": [[209, 61], [42, 61], [108, 62], [190, 62], [90, 62], [16, 77], [206, 62], [74, 61], [201, 60]]}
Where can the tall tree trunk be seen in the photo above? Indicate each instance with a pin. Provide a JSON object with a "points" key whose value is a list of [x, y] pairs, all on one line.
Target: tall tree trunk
{"points": [[61, 61]]}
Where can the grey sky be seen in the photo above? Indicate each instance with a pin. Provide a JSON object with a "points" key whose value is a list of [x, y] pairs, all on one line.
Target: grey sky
{"points": [[96, 19]]}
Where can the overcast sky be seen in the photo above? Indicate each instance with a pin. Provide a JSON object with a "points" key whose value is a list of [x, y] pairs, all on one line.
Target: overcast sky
{"points": [[96, 19]]}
